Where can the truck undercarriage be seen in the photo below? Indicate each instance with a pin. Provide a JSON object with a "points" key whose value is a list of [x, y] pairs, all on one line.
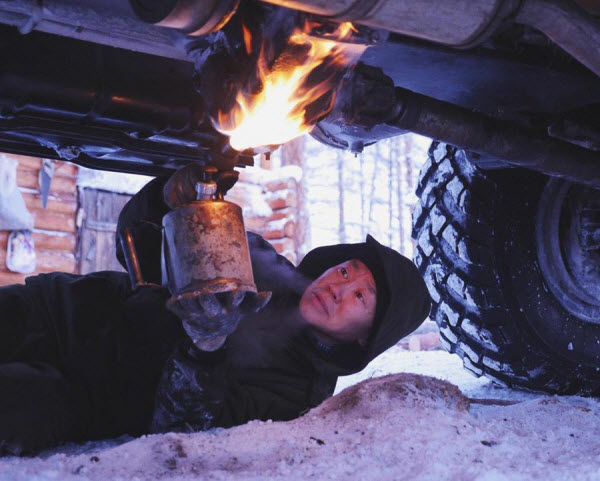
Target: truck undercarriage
{"points": [[508, 222]]}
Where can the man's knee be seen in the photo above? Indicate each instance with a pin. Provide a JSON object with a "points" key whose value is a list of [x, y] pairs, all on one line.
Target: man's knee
{"points": [[39, 408], [25, 334]]}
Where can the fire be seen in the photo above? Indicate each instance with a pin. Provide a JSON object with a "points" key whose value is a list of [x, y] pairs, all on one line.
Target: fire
{"points": [[278, 113]]}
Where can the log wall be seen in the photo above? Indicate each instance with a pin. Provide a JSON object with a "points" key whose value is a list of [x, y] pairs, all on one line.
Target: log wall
{"points": [[55, 227], [269, 200], [277, 219]]}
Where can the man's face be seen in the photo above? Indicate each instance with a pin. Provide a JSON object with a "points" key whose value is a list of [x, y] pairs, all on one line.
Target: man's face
{"points": [[340, 304]]}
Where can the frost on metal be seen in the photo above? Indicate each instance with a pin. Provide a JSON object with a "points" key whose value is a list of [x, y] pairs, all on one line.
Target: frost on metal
{"points": [[111, 181]]}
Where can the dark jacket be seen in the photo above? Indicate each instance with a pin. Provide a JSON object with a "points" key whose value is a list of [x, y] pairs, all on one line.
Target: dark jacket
{"points": [[285, 371], [85, 357], [82, 357]]}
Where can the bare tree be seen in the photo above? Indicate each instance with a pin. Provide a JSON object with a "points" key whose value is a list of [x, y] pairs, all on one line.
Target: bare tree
{"points": [[342, 219], [293, 153], [399, 191], [362, 197], [409, 163], [410, 174], [390, 208], [372, 187]]}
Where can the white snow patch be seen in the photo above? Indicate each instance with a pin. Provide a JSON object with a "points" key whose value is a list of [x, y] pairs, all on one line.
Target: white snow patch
{"points": [[438, 364], [257, 175], [402, 426], [111, 181], [253, 199]]}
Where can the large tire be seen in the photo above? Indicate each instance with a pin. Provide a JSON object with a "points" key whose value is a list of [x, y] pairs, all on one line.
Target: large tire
{"points": [[476, 248]]}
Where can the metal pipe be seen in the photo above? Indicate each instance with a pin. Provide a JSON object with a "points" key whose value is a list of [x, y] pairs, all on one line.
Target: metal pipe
{"points": [[121, 24], [193, 17], [456, 23], [488, 136], [131, 259], [111, 23], [465, 23], [569, 26]]}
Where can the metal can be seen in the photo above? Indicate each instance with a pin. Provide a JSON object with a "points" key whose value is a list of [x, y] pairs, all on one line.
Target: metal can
{"points": [[205, 249]]}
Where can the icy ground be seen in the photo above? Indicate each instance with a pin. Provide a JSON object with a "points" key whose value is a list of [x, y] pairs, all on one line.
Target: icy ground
{"points": [[401, 426]]}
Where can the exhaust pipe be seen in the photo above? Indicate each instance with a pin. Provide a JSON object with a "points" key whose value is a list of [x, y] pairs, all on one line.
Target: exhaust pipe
{"points": [[121, 24], [98, 21], [454, 23], [463, 23], [193, 17]]}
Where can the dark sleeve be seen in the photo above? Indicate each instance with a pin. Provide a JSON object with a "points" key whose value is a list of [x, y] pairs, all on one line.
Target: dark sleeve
{"points": [[198, 391], [38, 407], [272, 271], [143, 215], [42, 403], [280, 399]]}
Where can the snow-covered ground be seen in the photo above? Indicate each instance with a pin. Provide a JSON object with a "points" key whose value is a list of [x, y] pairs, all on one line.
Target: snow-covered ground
{"points": [[438, 364], [399, 426]]}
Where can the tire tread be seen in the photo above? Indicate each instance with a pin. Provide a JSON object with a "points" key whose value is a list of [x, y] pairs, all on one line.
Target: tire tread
{"points": [[453, 226]]}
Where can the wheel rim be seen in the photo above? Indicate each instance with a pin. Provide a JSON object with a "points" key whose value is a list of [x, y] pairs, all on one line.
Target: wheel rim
{"points": [[568, 246]]}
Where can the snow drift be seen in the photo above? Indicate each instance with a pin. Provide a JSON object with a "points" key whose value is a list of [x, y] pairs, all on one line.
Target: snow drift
{"points": [[401, 426]]}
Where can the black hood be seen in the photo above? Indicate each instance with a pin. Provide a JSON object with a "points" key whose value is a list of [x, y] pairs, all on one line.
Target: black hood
{"points": [[407, 300]]}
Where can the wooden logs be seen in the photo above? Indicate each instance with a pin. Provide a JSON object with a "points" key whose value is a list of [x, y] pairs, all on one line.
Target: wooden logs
{"points": [[278, 229], [51, 241], [55, 229], [47, 260], [281, 199], [270, 199]]}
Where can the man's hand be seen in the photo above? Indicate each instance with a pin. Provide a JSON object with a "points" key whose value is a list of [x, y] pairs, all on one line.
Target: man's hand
{"points": [[180, 189], [209, 318]]}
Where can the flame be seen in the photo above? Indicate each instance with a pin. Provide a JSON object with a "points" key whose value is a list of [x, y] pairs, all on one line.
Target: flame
{"points": [[247, 39], [278, 113]]}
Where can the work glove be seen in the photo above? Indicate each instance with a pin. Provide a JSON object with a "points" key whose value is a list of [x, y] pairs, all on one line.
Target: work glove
{"points": [[209, 318], [180, 189]]}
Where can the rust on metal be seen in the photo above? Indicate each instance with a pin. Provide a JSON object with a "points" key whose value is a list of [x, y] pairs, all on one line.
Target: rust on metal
{"points": [[207, 248]]}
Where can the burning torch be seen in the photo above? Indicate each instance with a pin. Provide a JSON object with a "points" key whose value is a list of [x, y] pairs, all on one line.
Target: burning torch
{"points": [[205, 257], [261, 89]]}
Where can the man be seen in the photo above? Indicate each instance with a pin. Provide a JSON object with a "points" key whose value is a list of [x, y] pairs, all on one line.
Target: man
{"points": [[85, 357]]}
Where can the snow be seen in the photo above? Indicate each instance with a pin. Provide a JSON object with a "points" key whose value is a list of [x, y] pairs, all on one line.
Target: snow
{"points": [[111, 181], [376, 189], [257, 175], [252, 197], [408, 415], [437, 364], [413, 425]]}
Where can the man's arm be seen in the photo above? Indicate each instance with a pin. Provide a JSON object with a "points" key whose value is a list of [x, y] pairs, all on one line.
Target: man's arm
{"points": [[144, 212], [272, 271], [143, 215], [198, 391]]}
